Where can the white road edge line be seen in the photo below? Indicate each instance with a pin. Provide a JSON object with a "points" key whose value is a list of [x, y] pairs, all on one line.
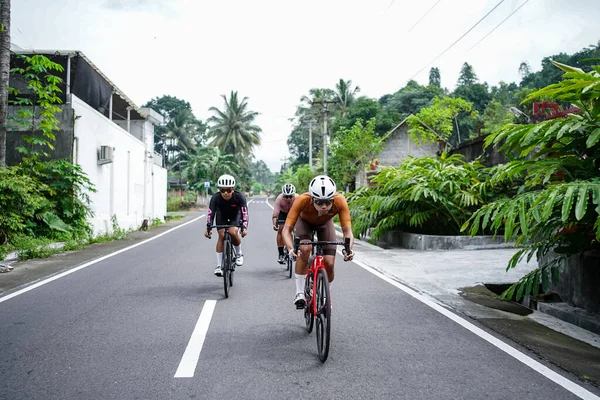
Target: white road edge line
{"points": [[97, 260], [531, 363], [191, 355]]}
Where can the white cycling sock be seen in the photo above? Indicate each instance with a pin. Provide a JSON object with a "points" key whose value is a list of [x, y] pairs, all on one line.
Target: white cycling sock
{"points": [[300, 279], [238, 250], [219, 259]]}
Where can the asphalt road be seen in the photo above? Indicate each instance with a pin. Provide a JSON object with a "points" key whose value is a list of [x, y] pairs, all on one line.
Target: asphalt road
{"points": [[119, 329]]}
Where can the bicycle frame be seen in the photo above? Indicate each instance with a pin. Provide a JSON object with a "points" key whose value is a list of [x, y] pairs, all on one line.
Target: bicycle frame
{"points": [[229, 267], [318, 307], [317, 262]]}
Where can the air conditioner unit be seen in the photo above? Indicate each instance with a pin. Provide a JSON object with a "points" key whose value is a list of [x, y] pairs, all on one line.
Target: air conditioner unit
{"points": [[105, 155]]}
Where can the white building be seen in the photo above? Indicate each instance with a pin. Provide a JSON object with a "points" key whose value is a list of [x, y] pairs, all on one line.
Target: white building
{"points": [[110, 137]]}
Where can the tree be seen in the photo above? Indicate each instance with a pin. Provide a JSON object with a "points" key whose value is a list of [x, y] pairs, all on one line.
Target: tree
{"points": [[4, 71], [505, 93], [232, 129], [467, 75], [524, 69], [555, 180], [435, 79], [436, 123], [495, 117], [297, 143], [207, 164], [583, 59], [476, 93], [260, 172], [351, 150], [344, 96], [431, 195], [170, 107], [410, 99]]}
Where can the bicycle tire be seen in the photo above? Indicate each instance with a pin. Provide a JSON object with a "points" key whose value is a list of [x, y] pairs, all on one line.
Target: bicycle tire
{"points": [[231, 267], [309, 318], [323, 317], [286, 257], [225, 267], [290, 263]]}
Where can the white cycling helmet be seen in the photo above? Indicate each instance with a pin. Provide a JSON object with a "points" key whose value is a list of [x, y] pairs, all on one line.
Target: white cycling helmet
{"points": [[322, 187], [288, 189], [226, 181]]}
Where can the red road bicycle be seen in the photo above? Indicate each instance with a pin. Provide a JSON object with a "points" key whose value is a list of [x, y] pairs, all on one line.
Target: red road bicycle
{"points": [[318, 300]]}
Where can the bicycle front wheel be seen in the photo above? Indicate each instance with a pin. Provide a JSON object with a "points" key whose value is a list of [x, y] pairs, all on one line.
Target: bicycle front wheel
{"points": [[323, 316], [231, 271], [225, 268], [309, 318], [290, 266]]}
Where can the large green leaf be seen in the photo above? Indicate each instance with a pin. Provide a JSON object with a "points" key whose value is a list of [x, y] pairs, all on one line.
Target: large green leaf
{"points": [[54, 222], [536, 283], [522, 215], [582, 201], [545, 280], [567, 203], [593, 138]]}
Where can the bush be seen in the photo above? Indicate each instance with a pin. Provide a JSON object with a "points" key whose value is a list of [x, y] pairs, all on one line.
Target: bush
{"points": [[22, 202]]}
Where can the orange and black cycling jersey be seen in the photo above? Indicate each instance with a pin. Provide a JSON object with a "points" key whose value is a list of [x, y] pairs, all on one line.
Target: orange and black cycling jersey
{"points": [[304, 208]]}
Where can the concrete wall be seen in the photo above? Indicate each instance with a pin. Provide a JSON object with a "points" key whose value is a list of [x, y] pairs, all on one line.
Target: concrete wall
{"points": [[474, 148], [418, 241], [132, 187], [579, 281], [398, 147]]}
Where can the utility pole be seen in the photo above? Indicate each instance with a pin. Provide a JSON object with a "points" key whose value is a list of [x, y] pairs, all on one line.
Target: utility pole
{"points": [[310, 146], [285, 160], [325, 104]]}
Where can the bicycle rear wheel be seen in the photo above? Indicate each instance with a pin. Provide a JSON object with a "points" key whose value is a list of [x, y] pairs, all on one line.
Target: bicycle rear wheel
{"points": [[231, 266], [290, 265], [323, 315], [309, 318], [225, 267]]}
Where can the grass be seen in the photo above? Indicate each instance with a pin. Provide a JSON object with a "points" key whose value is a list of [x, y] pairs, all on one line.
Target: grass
{"points": [[42, 247]]}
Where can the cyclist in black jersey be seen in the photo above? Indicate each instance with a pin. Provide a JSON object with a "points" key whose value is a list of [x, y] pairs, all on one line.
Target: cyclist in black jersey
{"points": [[230, 208]]}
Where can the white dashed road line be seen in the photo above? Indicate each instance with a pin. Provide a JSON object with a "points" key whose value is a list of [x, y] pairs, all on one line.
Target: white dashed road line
{"points": [[190, 358]]}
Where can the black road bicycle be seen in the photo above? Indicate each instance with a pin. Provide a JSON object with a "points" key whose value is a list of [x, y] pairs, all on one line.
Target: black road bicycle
{"points": [[228, 265]]}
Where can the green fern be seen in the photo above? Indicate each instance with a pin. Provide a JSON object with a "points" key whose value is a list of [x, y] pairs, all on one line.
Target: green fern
{"points": [[556, 180]]}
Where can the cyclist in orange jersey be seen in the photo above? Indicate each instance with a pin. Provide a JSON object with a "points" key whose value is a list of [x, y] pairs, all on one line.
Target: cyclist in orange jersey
{"points": [[313, 212]]}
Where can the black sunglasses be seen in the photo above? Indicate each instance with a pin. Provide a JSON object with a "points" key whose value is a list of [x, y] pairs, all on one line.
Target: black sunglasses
{"points": [[225, 190], [287, 196], [322, 202]]}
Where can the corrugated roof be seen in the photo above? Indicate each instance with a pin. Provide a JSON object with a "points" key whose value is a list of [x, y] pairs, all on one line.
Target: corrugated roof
{"points": [[87, 60]]}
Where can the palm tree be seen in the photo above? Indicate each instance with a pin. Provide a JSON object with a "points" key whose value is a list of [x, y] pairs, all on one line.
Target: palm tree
{"points": [[181, 130], [344, 96], [232, 129], [307, 110], [4, 67], [207, 164]]}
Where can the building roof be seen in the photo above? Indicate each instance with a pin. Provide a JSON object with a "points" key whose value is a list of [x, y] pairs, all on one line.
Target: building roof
{"points": [[391, 132], [20, 51]]}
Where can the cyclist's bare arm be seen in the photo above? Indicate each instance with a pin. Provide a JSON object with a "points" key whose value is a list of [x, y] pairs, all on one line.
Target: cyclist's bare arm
{"points": [[287, 237], [347, 232]]}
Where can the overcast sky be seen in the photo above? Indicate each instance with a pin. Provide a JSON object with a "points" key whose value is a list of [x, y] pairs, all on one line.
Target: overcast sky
{"points": [[274, 51]]}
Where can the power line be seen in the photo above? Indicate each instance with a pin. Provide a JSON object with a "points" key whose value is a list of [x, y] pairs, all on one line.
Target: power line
{"points": [[503, 21], [458, 40], [388, 7], [424, 15]]}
